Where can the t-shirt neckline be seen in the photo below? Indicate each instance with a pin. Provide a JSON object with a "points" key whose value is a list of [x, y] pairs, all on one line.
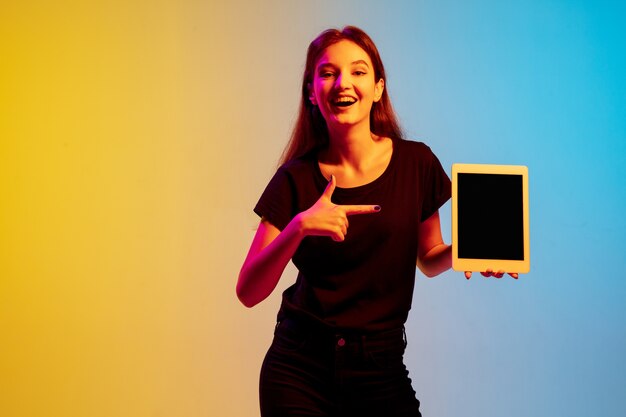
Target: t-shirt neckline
{"points": [[365, 187]]}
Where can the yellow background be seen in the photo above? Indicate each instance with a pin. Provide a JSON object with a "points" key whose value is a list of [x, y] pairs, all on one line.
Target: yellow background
{"points": [[129, 131]]}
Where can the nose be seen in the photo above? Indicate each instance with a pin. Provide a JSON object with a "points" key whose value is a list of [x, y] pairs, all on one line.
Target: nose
{"points": [[343, 81]]}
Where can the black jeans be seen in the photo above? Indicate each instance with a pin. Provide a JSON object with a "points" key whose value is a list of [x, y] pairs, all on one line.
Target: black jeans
{"points": [[312, 372]]}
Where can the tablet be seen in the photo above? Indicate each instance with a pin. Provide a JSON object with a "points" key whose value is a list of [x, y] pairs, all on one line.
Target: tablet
{"points": [[490, 219]]}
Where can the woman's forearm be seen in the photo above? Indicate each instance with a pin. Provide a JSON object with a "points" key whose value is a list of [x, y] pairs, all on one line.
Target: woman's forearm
{"points": [[437, 260], [272, 250], [262, 270]]}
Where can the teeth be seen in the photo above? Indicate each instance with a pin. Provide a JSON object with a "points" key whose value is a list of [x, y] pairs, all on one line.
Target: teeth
{"points": [[345, 100]]}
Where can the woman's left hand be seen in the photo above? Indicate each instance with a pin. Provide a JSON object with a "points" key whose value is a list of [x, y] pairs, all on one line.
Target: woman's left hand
{"points": [[489, 273]]}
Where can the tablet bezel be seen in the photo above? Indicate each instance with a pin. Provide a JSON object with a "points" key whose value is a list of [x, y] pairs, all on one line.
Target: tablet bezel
{"points": [[476, 265]]}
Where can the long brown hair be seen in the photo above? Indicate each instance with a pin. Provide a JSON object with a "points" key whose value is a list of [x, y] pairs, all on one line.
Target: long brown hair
{"points": [[310, 131]]}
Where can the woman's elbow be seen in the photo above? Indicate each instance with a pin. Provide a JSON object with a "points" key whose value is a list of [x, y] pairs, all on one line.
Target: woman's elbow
{"points": [[245, 292], [436, 260], [427, 269], [244, 295], [427, 272], [245, 300]]}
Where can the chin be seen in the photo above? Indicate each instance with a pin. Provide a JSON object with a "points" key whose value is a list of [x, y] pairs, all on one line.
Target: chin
{"points": [[344, 121]]}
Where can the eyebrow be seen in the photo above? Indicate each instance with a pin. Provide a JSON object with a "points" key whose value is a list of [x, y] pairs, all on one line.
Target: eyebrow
{"points": [[358, 62]]}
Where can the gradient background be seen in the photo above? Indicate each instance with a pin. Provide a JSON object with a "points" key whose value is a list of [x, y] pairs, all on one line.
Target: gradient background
{"points": [[137, 136]]}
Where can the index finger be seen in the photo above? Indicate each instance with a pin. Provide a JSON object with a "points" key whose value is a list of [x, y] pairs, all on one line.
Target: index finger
{"points": [[361, 209]]}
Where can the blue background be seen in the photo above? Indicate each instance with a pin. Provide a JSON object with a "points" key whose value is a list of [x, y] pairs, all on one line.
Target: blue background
{"points": [[536, 83]]}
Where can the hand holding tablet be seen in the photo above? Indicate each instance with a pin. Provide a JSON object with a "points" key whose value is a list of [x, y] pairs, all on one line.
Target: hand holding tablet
{"points": [[490, 237], [489, 273]]}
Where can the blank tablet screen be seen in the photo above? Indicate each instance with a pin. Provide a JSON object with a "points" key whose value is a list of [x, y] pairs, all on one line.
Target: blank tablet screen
{"points": [[490, 216]]}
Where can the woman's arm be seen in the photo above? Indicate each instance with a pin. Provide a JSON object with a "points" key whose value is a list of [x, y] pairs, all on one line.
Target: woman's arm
{"points": [[271, 249], [270, 252], [433, 256]]}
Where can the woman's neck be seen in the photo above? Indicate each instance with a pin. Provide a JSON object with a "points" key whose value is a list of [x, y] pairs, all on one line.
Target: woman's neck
{"points": [[350, 147], [355, 160]]}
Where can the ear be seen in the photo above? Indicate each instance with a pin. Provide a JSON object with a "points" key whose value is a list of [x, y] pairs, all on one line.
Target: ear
{"points": [[378, 90], [311, 95]]}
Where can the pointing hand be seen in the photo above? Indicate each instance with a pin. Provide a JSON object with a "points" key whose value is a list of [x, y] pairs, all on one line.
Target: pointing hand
{"points": [[325, 218]]}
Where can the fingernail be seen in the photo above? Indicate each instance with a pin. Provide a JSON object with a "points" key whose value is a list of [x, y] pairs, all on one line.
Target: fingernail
{"points": [[377, 208]]}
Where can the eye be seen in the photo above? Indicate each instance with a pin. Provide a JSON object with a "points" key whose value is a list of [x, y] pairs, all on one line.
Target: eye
{"points": [[326, 74], [359, 73]]}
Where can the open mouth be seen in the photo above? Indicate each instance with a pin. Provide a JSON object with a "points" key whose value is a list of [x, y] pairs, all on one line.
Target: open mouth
{"points": [[344, 101]]}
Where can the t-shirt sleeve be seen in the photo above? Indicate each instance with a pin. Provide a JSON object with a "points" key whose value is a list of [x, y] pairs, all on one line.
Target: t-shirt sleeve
{"points": [[277, 201], [437, 186]]}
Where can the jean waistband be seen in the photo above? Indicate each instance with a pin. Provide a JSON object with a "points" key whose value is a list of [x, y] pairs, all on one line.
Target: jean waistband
{"points": [[320, 331]]}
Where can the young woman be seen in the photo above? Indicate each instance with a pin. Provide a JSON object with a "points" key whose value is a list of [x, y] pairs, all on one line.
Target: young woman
{"points": [[355, 206]]}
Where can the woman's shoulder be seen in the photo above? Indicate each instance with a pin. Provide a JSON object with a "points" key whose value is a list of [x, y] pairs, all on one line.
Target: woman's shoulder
{"points": [[300, 165], [412, 148]]}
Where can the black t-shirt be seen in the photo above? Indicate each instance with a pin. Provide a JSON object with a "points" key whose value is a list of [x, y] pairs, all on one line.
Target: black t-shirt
{"points": [[364, 283]]}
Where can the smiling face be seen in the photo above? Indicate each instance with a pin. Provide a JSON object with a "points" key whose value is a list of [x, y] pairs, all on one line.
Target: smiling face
{"points": [[344, 86]]}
